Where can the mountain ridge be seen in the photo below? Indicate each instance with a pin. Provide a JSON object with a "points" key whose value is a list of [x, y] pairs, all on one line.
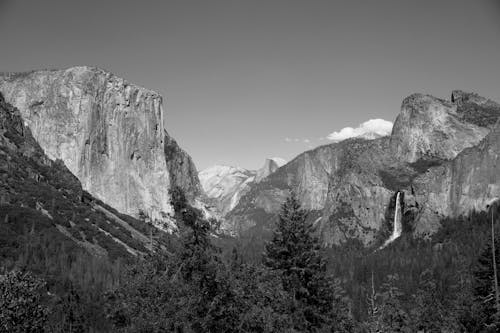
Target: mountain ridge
{"points": [[349, 185], [224, 185]]}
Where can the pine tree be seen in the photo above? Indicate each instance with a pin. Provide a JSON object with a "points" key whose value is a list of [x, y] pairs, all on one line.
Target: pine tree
{"points": [[372, 304], [393, 317], [483, 285], [21, 303], [296, 254], [432, 307], [486, 281]]}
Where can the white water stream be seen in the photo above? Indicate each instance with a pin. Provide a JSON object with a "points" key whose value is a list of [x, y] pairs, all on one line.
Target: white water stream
{"points": [[397, 225]]}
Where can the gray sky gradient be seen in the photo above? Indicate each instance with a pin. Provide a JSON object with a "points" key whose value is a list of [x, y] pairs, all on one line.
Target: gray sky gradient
{"points": [[238, 77]]}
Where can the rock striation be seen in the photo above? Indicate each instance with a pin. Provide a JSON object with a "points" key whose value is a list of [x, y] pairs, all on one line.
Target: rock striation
{"points": [[108, 132]]}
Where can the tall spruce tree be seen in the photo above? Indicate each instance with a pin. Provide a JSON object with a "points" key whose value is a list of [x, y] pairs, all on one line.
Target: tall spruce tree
{"points": [[486, 280], [295, 252], [484, 288]]}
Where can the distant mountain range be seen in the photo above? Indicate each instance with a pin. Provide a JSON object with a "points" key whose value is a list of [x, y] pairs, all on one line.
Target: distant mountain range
{"points": [[442, 157], [224, 185]]}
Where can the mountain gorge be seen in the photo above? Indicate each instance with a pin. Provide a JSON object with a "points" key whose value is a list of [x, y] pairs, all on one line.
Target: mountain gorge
{"points": [[441, 155], [109, 133], [84, 148]]}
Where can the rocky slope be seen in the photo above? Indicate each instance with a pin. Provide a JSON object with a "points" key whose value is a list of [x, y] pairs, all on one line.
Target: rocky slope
{"points": [[224, 185], [42, 198], [350, 186], [109, 133]]}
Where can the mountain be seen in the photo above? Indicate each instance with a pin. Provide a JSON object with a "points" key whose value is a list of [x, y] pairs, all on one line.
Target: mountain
{"points": [[270, 166], [440, 156], [41, 199], [468, 182], [225, 185], [109, 133]]}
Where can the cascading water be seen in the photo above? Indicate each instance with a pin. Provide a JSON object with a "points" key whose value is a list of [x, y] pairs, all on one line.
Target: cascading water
{"points": [[397, 227]]}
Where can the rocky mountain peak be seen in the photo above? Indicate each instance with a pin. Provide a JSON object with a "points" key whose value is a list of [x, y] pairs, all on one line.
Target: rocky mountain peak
{"points": [[270, 166], [432, 128], [441, 156]]}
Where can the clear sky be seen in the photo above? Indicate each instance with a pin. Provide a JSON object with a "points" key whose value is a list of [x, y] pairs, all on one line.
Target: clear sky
{"points": [[246, 80]]}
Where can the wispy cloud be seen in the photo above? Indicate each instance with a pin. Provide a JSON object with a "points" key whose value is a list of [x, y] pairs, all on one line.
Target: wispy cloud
{"points": [[371, 129], [287, 139], [305, 140]]}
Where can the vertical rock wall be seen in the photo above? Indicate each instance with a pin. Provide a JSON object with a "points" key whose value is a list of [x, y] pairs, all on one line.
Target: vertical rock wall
{"points": [[108, 132]]}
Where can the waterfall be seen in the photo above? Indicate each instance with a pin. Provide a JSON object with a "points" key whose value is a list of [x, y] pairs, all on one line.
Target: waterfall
{"points": [[397, 227]]}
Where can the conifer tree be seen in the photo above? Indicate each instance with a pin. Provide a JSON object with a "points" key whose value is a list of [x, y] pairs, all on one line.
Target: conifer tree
{"points": [[393, 317], [296, 253], [486, 281], [484, 287], [21, 306]]}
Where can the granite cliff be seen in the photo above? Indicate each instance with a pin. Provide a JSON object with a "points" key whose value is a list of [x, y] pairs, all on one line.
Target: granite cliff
{"points": [[108, 132], [441, 155], [43, 197]]}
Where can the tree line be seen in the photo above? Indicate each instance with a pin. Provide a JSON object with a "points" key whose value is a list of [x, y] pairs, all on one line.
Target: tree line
{"points": [[444, 285]]}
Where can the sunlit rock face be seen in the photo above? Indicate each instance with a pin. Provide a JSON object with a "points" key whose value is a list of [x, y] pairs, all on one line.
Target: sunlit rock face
{"points": [[468, 182], [429, 127], [109, 133], [270, 166], [225, 185], [338, 183], [441, 156]]}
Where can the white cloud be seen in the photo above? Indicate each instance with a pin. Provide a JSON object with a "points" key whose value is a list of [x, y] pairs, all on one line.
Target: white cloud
{"points": [[307, 141], [371, 129]]}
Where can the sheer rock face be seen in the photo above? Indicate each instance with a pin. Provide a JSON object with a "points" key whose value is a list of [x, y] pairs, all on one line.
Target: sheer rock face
{"points": [[338, 183], [109, 133], [469, 182], [439, 155], [270, 166]]}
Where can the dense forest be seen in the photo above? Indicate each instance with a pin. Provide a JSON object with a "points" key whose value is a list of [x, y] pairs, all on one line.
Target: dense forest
{"points": [[201, 282]]}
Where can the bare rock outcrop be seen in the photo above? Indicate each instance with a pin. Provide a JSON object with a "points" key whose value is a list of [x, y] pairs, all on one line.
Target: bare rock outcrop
{"points": [[429, 127], [109, 133]]}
